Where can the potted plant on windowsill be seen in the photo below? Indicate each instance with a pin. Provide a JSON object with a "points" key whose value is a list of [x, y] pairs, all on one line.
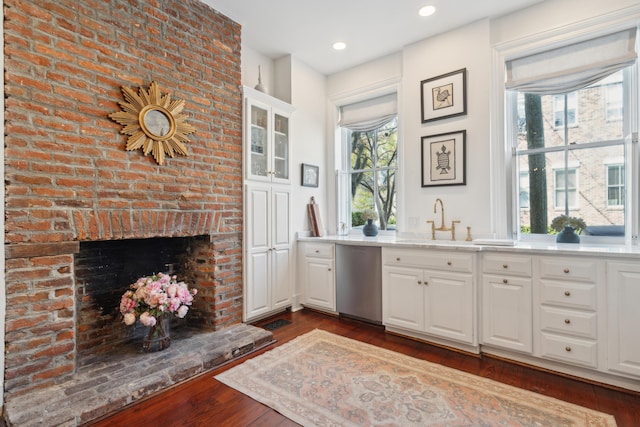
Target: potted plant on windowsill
{"points": [[568, 228]]}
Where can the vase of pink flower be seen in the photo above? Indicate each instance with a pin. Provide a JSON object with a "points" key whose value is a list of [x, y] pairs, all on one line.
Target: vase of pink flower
{"points": [[153, 300]]}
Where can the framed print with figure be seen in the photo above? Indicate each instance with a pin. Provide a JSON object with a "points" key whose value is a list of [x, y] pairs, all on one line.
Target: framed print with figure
{"points": [[444, 159], [444, 96], [310, 175]]}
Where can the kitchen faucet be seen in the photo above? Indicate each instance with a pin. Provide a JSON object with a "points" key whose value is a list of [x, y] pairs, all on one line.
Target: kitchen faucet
{"points": [[442, 227]]}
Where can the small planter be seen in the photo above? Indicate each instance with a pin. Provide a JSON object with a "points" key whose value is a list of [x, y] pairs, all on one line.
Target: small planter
{"points": [[370, 229], [568, 235]]}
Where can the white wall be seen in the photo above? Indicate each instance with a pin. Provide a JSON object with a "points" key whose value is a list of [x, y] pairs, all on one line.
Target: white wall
{"points": [[250, 62], [469, 48]]}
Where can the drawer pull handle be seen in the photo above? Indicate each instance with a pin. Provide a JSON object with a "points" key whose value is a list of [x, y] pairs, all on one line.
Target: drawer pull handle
{"points": [[567, 293], [505, 266], [567, 349], [567, 321], [449, 263], [566, 270], [505, 281]]}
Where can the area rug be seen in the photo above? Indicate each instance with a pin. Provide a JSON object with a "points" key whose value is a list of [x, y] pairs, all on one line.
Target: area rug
{"points": [[322, 379]]}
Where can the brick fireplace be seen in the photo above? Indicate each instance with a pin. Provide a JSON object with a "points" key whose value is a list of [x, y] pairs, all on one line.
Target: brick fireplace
{"points": [[70, 181]]}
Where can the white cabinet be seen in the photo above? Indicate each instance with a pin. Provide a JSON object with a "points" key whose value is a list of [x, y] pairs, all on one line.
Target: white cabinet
{"points": [[623, 326], [430, 292], [267, 284], [318, 275], [568, 309], [507, 301], [267, 137]]}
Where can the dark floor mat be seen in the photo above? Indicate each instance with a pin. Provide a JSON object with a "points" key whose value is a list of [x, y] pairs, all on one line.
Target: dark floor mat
{"points": [[276, 324]]}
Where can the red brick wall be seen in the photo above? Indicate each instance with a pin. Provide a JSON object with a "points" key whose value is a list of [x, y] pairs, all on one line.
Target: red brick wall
{"points": [[68, 177]]}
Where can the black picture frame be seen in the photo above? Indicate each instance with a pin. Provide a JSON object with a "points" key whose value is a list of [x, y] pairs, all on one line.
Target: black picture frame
{"points": [[444, 158], [444, 96], [309, 175]]}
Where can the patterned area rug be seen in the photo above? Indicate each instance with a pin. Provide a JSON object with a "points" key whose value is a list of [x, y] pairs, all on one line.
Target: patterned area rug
{"points": [[322, 379]]}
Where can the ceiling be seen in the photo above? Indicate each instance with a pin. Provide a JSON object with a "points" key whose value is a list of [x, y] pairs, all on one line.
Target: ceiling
{"points": [[307, 29]]}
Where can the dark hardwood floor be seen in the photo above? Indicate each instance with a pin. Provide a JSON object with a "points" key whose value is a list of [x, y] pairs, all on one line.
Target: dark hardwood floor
{"points": [[203, 401]]}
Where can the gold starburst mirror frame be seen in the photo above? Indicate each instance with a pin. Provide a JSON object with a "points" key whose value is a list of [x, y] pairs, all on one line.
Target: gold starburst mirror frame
{"points": [[153, 122]]}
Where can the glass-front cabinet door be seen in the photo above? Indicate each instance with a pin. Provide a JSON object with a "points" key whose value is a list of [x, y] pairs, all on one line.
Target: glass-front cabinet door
{"points": [[259, 134], [281, 147], [267, 137]]}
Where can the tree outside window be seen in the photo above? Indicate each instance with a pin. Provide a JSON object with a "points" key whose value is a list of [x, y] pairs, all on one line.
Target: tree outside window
{"points": [[372, 174], [566, 165]]}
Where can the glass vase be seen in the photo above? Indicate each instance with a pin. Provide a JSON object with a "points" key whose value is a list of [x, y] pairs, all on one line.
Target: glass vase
{"points": [[158, 336]]}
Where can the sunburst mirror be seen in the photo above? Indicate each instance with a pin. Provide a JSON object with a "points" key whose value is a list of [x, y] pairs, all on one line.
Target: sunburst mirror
{"points": [[153, 122]]}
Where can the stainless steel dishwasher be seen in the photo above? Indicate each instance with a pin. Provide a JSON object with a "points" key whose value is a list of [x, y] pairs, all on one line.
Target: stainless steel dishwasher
{"points": [[359, 282]]}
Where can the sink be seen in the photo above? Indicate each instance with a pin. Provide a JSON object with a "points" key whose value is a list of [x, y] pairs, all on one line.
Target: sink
{"points": [[434, 242]]}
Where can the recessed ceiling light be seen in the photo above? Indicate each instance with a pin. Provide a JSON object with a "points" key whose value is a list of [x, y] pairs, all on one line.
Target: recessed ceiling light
{"points": [[339, 45], [427, 11]]}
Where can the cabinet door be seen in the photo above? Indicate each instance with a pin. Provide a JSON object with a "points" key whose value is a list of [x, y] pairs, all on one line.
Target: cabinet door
{"points": [[623, 295], [449, 305], [258, 139], [257, 291], [320, 283], [403, 298], [280, 246], [280, 150], [507, 312]]}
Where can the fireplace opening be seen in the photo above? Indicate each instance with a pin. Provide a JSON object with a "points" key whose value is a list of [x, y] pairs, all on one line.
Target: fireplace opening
{"points": [[105, 269]]}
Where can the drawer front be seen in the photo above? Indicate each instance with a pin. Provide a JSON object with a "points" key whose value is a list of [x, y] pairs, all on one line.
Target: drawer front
{"points": [[440, 260], [568, 269], [504, 264], [573, 295], [319, 250], [571, 322], [571, 350]]}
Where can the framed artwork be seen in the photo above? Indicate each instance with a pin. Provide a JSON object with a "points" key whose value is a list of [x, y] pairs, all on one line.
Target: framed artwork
{"points": [[310, 175], [444, 159], [444, 96]]}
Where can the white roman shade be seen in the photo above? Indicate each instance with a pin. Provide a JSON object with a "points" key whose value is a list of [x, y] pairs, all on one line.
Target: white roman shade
{"points": [[368, 115], [573, 67]]}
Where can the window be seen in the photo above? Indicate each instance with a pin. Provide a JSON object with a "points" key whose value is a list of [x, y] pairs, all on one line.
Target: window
{"points": [[566, 189], [524, 189], [372, 174], [367, 179], [559, 160], [562, 103], [615, 186]]}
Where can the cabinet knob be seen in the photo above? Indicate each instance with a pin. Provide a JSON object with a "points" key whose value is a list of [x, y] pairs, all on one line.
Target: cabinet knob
{"points": [[505, 266], [317, 251], [567, 293], [449, 263], [398, 259], [567, 321], [419, 282], [566, 270], [567, 349], [505, 281], [329, 269]]}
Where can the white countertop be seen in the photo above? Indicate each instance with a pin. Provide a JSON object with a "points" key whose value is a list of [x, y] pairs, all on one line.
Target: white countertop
{"points": [[484, 245]]}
